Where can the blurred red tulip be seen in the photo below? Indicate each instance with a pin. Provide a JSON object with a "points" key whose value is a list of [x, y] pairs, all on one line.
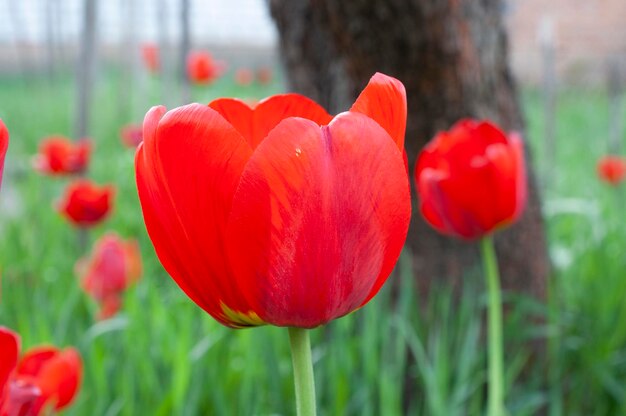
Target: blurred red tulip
{"points": [[58, 155], [131, 135], [301, 217], [264, 75], [56, 373], [471, 180], [85, 204], [244, 76], [45, 377], [151, 57], [612, 169], [113, 266], [202, 68], [4, 145]]}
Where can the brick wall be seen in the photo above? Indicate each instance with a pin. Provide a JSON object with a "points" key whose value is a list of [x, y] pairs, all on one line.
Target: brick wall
{"points": [[586, 35]]}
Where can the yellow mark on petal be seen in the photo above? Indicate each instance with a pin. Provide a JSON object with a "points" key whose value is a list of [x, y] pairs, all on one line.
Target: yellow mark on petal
{"points": [[240, 319], [298, 151]]}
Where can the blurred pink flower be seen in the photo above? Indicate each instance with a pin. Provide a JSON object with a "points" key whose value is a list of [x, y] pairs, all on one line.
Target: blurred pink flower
{"points": [[131, 135], [113, 265]]}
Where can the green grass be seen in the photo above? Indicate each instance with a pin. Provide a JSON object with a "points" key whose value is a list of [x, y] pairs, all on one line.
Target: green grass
{"points": [[162, 355]]}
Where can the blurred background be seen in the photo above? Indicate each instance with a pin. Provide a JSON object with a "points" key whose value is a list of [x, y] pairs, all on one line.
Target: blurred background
{"points": [[43, 35]]}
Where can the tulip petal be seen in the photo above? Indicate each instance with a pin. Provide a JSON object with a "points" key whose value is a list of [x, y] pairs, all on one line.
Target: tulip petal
{"points": [[34, 359], [470, 208], [521, 184], [187, 172], [4, 145], [384, 101], [271, 111], [319, 219], [59, 379], [9, 350], [431, 197], [238, 114]]}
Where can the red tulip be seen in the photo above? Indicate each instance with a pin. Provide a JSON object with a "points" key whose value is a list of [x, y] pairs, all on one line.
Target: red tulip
{"points": [[471, 180], [202, 68], [56, 373], [4, 145], [45, 377], [264, 75], [301, 216], [113, 266], [612, 169], [86, 204], [151, 57], [131, 135], [244, 76], [58, 155]]}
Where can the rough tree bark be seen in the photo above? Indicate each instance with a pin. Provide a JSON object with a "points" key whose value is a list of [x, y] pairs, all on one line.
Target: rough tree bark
{"points": [[452, 57]]}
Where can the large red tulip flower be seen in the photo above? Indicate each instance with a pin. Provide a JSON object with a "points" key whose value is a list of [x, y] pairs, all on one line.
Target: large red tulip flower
{"points": [[471, 180], [4, 145], [612, 169], [278, 214], [113, 266], [86, 204], [131, 135], [202, 68], [45, 378], [151, 57], [58, 155]]}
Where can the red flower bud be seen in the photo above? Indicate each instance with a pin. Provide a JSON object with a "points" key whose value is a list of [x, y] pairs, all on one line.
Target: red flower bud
{"points": [[202, 68], [264, 75], [44, 378], [85, 204], [151, 57], [58, 155], [244, 77], [471, 180], [131, 135], [114, 264], [4, 145], [612, 169], [56, 373]]}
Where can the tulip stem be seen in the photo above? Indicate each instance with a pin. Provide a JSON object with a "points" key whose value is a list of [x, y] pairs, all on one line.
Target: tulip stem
{"points": [[496, 356], [302, 371]]}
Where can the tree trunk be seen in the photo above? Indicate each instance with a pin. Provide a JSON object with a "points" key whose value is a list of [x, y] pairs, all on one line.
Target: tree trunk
{"points": [[452, 58]]}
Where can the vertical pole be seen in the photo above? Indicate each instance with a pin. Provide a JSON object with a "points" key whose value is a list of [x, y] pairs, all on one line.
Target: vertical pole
{"points": [[616, 105], [185, 46], [130, 62], [167, 80], [48, 10], [85, 74], [86, 70], [19, 34], [546, 38]]}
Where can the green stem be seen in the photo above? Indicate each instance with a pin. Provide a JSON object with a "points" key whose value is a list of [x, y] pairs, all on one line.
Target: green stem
{"points": [[496, 360], [302, 371]]}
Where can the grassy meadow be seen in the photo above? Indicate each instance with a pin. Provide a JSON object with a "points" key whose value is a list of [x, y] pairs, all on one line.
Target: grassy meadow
{"points": [[162, 355]]}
